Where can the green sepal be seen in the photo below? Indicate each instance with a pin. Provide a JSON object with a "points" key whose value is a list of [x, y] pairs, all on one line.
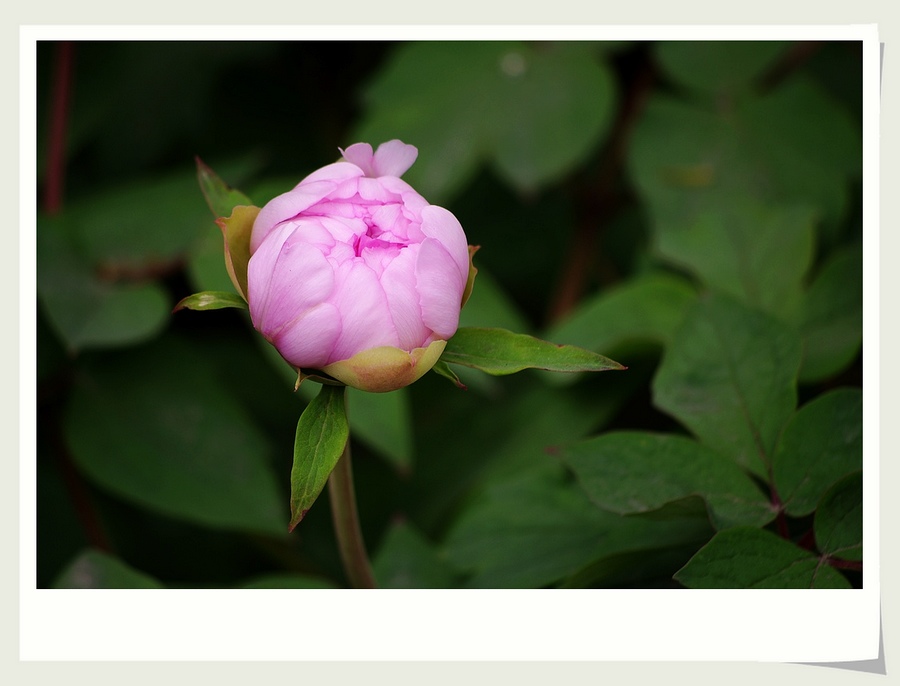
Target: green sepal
{"points": [[322, 434], [220, 197], [470, 280], [443, 369], [499, 352], [211, 300]]}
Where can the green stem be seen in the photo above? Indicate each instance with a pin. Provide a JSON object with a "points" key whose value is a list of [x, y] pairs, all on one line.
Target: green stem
{"points": [[346, 523]]}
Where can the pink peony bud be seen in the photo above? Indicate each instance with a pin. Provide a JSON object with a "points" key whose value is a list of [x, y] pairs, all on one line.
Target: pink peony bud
{"points": [[353, 273]]}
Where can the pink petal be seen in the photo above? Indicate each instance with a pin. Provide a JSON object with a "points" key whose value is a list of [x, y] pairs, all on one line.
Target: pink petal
{"points": [[441, 224], [308, 340], [286, 278], [394, 158], [440, 288], [361, 155], [365, 316], [399, 284], [307, 193]]}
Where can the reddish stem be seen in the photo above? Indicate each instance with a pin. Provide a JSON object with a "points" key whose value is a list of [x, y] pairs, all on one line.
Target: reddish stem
{"points": [[59, 118]]}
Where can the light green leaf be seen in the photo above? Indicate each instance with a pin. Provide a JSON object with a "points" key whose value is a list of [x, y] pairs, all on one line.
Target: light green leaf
{"points": [[96, 569], [211, 300], [499, 352], [633, 472], [745, 557], [821, 444], [839, 519], [729, 375], [158, 427], [322, 433]]}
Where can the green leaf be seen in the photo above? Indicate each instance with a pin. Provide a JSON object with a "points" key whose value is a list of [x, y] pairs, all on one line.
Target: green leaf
{"points": [[534, 111], [322, 433], [729, 376], [211, 300], [220, 197], [85, 310], [158, 427], [441, 368], [831, 316], [647, 307], [821, 444], [534, 529], [96, 569], [384, 422], [500, 352], [632, 472], [407, 559], [721, 67], [839, 519], [288, 580], [745, 557]]}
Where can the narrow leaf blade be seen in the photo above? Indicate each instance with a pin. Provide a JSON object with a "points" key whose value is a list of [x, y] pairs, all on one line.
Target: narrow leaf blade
{"points": [[322, 433], [211, 300], [500, 352]]}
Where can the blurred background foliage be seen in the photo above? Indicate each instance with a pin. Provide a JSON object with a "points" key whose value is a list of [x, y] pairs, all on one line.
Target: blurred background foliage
{"points": [[691, 209]]}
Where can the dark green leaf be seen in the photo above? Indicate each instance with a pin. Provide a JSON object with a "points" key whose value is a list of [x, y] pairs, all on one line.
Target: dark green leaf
{"points": [[534, 529], [158, 427], [644, 308], [821, 444], [745, 557], [831, 316], [96, 569], [729, 376], [839, 519], [384, 422], [441, 368], [721, 67], [85, 310], [407, 559], [220, 197], [631, 472], [211, 300], [500, 352], [534, 111], [322, 433]]}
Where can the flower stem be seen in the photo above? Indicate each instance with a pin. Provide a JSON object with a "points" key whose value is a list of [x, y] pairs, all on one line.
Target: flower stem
{"points": [[346, 523]]}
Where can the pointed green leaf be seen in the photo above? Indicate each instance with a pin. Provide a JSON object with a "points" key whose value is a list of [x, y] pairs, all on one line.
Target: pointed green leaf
{"points": [[211, 300], [441, 368], [500, 352], [839, 519], [745, 557], [322, 433], [96, 569], [729, 375], [821, 444], [632, 472], [220, 198]]}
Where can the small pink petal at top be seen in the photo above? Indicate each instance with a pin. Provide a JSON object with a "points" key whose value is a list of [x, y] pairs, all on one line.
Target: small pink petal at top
{"points": [[394, 158]]}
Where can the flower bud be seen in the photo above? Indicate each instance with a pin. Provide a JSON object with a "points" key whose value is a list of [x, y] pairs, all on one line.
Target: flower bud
{"points": [[353, 273]]}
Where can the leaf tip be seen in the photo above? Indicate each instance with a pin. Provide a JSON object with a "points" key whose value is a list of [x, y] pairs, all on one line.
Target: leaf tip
{"points": [[297, 518]]}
